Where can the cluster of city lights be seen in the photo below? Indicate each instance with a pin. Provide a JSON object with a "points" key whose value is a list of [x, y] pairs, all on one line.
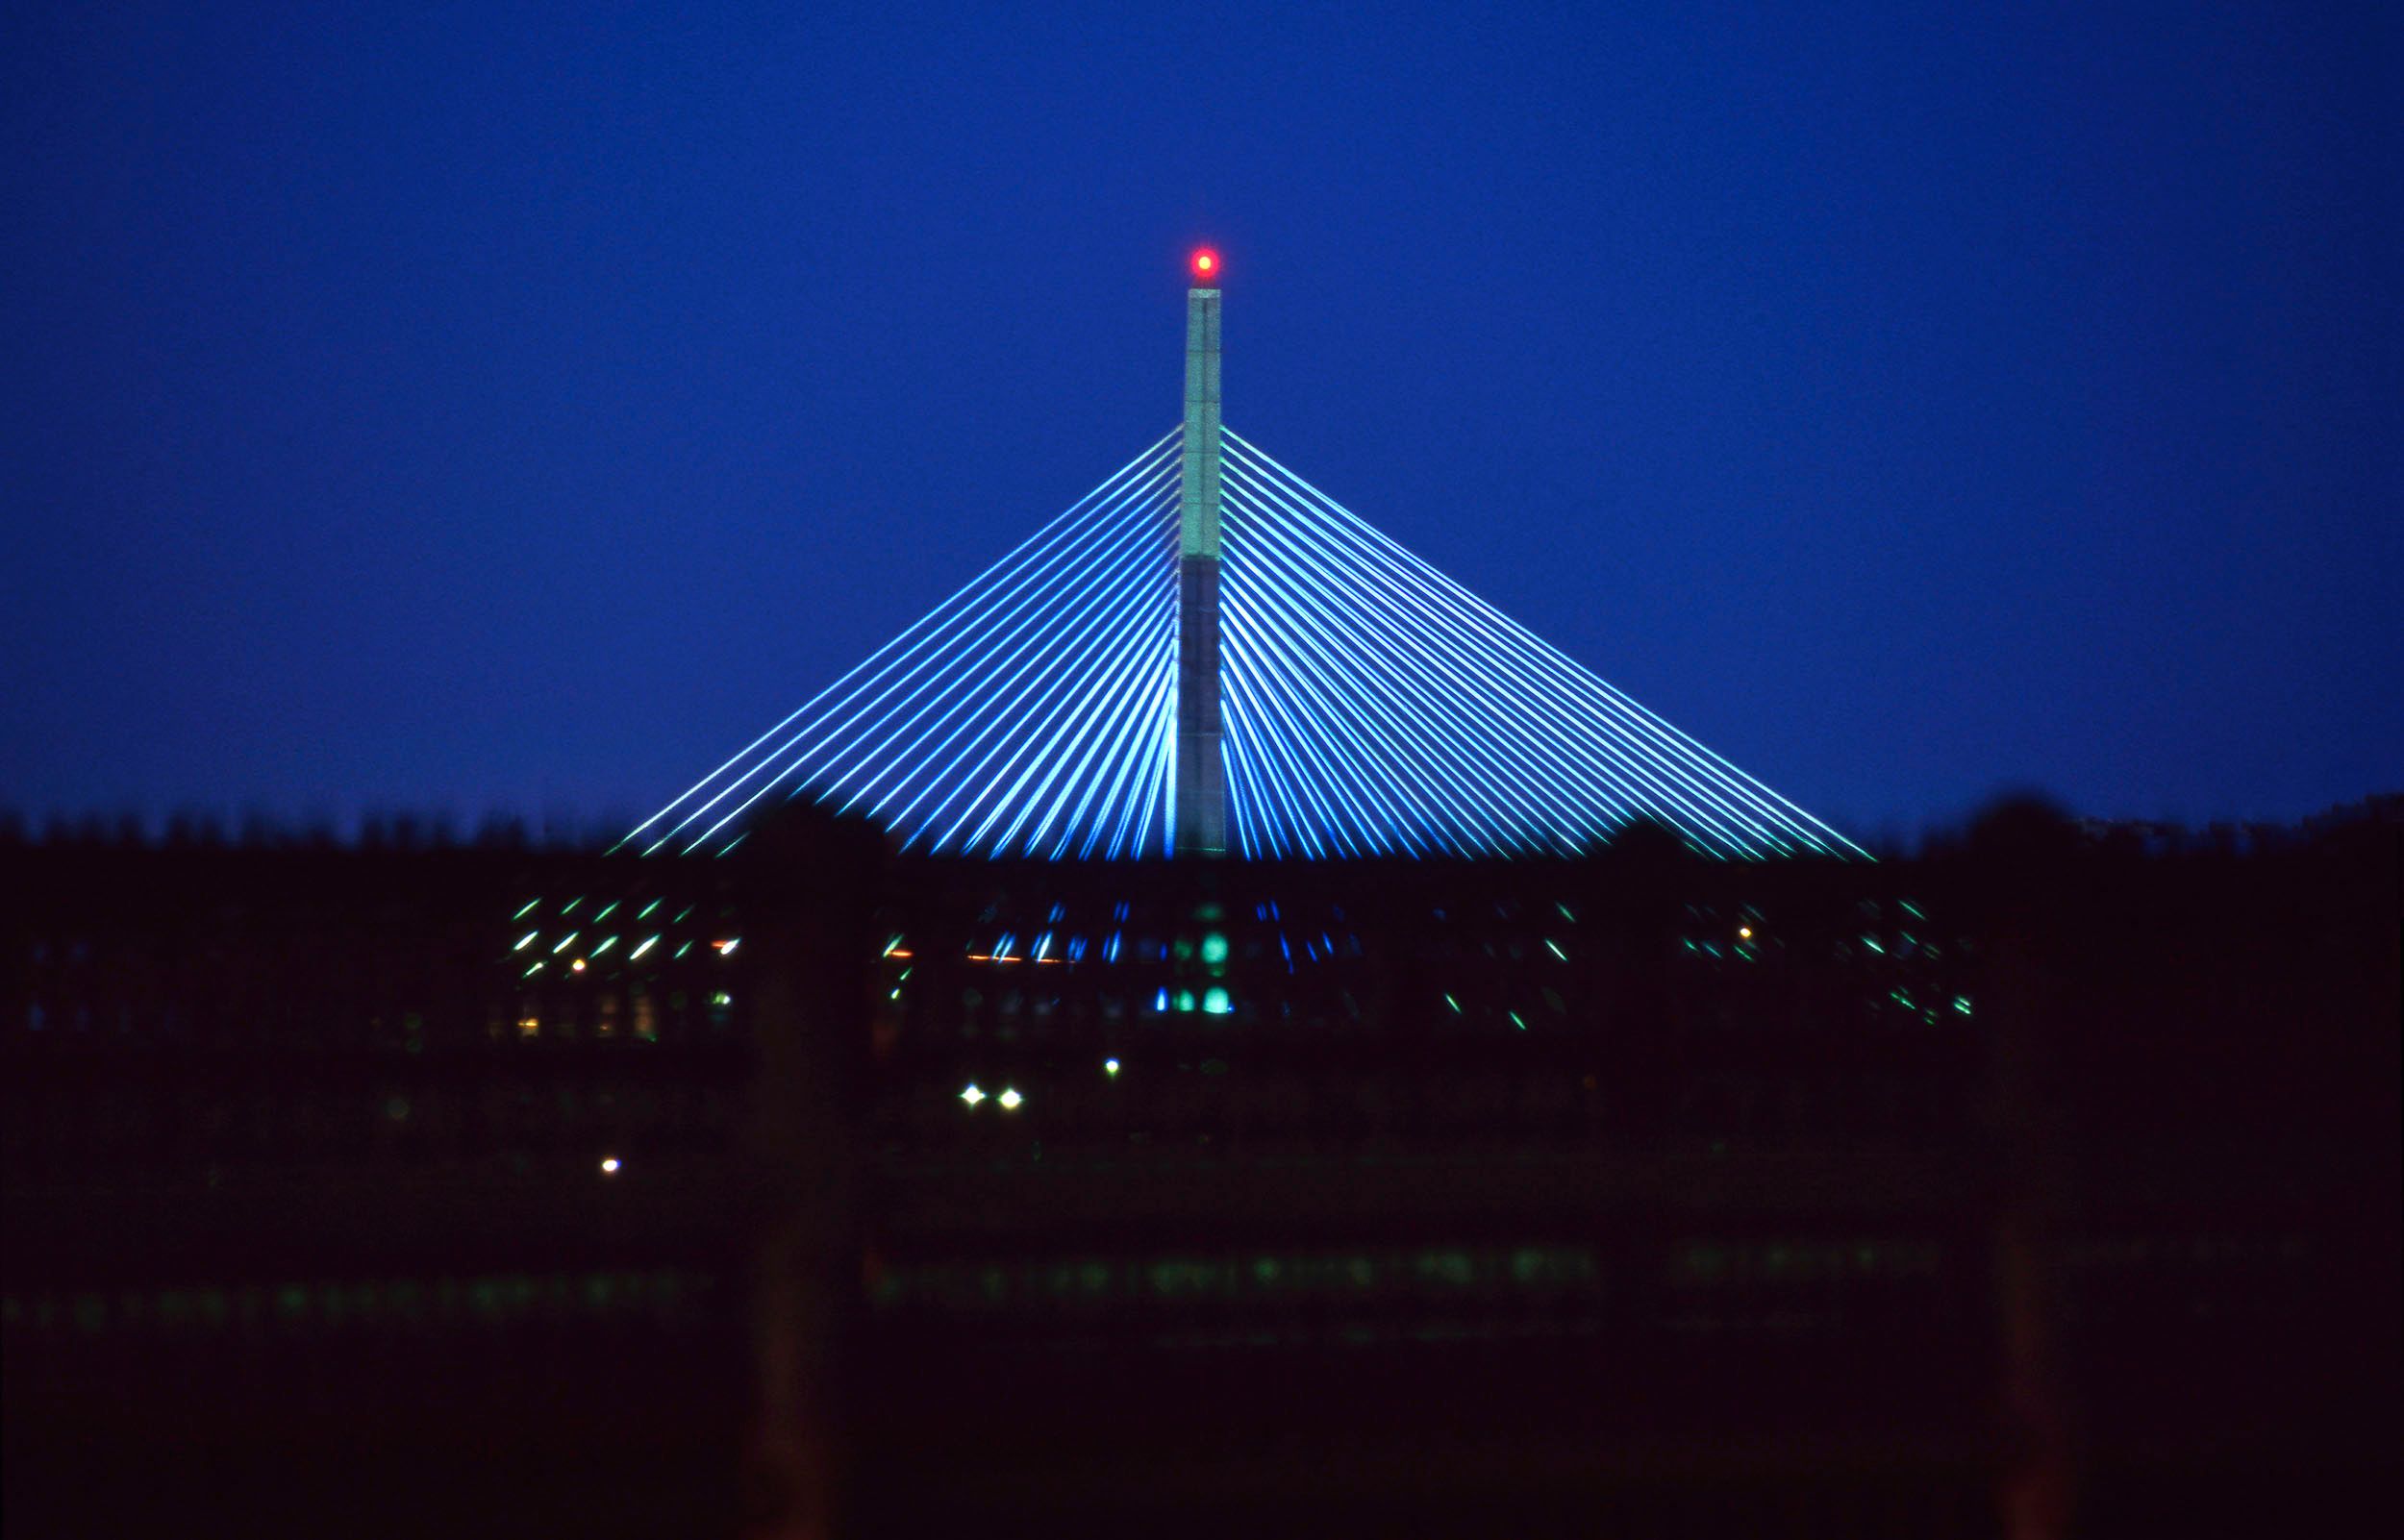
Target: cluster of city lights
{"points": [[1371, 706]]}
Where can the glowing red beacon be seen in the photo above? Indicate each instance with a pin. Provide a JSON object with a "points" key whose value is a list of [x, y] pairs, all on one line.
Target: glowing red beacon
{"points": [[1205, 265]]}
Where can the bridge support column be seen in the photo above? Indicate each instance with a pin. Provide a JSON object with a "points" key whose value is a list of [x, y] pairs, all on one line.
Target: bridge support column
{"points": [[1200, 794]]}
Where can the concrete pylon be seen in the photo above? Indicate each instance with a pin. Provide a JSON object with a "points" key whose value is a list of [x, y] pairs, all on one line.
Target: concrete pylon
{"points": [[1200, 794]]}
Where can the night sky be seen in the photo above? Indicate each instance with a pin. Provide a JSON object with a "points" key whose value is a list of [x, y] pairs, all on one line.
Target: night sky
{"points": [[521, 407]]}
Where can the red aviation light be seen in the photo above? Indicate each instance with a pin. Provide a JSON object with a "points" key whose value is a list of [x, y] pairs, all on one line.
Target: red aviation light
{"points": [[1205, 265]]}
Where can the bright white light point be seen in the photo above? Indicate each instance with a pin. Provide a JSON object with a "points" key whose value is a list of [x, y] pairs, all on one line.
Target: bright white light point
{"points": [[578, 965], [1744, 933], [1110, 1066], [973, 1096], [609, 1165], [1010, 1100]]}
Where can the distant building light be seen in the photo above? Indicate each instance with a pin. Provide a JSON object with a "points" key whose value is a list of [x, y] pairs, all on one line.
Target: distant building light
{"points": [[1215, 1002], [578, 965], [973, 1096], [1010, 1100], [609, 1165], [1110, 1066]]}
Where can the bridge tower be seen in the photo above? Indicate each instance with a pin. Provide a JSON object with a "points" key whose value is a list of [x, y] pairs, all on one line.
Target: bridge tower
{"points": [[1200, 794]]}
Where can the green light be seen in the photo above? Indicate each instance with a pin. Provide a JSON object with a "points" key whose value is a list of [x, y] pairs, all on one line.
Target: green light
{"points": [[890, 947], [1516, 1022], [1454, 1004], [569, 907], [564, 942], [680, 951], [526, 940], [1912, 909], [531, 972], [1961, 1003], [1214, 948], [606, 943], [648, 908], [1217, 1004], [647, 944], [1566, 914], [1110, 1067], [1555, 949], [680, 915], [1871, 942], [521, 913], [606, 912], [1184, 999]]}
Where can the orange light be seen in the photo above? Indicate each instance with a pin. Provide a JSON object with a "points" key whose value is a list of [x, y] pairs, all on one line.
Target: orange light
{"points": [[1204, 263]]}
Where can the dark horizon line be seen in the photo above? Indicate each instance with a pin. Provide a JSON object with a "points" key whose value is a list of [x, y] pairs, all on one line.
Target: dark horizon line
{"points": [[390, 829]]}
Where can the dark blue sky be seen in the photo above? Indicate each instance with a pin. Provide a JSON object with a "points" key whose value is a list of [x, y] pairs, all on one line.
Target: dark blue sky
{"points": [[525, 406]]}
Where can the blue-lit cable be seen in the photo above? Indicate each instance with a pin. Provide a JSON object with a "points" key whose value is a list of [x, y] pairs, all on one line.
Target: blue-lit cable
{"points": [[1004, 710], [1409, 817], [1624, 774], [1437, 718], [1784, 812], [1115, 738], [1042, 539], [1291, 775], [1611, 754], [1470, 752], [1036, 571], [1509, 648], [1052, 749], [1029, 642], [1020, 615]]}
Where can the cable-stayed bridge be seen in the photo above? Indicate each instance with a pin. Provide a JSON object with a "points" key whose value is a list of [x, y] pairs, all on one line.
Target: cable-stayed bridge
{"points": [[1207, 654]]}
